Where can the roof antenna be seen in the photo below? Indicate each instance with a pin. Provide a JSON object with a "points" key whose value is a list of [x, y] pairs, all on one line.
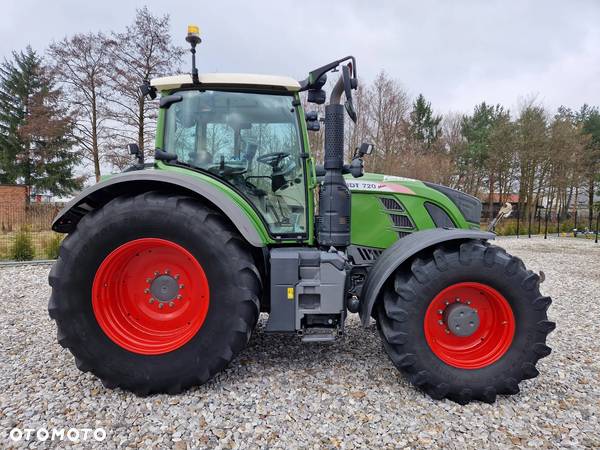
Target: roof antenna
{"points": [[193, 37]]}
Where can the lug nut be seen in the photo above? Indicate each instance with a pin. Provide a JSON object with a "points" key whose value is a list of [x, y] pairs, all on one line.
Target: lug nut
{"points": [[441, 322], [160, 305], [151, 300], [457, 300], [468, 302], [171, 304], [181, 286], [146, 291], [447, 331], [148, 280], [167, 271], [176, 276], [156, 273], [440, 311], [179, 297]]}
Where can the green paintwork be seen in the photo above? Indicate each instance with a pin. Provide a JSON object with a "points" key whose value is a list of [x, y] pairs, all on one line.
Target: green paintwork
{"points": [[371, 223], [311, 179]]}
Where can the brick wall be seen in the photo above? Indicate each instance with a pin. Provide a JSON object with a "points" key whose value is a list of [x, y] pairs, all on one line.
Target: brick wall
{"points": [[13, 204]]}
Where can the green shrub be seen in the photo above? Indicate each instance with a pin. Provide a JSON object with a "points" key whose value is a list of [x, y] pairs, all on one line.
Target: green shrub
{"points": [[22, 248], [52, 246]]}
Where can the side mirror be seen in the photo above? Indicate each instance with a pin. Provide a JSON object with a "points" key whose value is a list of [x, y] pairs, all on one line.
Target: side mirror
{"points": [[134, 150], [317, 96], [364, 149], [311, 115], [313, 125], [348, 86], [147, 90]]}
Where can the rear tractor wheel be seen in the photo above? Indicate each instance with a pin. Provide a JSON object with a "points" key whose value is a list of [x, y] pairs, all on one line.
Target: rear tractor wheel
{"points": [[154, 293], [466, 323]]}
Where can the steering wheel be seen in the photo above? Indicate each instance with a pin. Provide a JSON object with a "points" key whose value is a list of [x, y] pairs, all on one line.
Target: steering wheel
{"points": [[272, 159]]}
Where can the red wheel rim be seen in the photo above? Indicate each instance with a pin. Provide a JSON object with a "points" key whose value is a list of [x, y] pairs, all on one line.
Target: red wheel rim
{"points": [[488, 343], [150, 296]]}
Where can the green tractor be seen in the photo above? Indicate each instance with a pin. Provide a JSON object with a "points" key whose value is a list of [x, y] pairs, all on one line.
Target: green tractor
{"points": [[166, 266]]}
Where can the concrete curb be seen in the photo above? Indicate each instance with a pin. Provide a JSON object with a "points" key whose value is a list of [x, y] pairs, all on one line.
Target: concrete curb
{"points": [[37, 262]]}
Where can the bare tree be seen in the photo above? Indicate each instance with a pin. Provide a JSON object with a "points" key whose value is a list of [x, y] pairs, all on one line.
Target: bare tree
{"points": [[80, 64], [532, 146], [387, 111], [454, 144], [143, 51]]}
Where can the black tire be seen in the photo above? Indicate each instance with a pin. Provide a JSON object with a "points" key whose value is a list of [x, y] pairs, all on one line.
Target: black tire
{"points": [[204, 232], [407, 295]]}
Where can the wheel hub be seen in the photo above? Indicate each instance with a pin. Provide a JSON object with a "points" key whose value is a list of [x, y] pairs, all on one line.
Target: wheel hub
{"points": [[469, 325], [164, 288], [461, 319], [150, 296]]}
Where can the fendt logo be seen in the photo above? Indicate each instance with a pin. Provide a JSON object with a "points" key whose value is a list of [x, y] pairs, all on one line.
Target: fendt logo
{"points": [[57, 434]]}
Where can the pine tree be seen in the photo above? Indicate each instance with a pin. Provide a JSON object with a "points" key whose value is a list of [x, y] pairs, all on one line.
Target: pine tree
{"points": [[35, 143], [15, 84], [424, 126]]}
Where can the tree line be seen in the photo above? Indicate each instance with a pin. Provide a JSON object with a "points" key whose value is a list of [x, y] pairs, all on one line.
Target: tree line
{"points": [[548, 158], [78, 104]]}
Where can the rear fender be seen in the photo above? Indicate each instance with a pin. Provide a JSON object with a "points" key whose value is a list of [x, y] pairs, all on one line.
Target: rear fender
{"points": [[400, 252], [137, 182]]}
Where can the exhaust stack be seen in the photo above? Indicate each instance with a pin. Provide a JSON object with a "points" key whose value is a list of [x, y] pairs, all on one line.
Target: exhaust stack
{"points": [[333, 221]]}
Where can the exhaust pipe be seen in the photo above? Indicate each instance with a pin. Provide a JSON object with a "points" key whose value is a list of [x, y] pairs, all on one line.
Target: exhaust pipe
{"points": [[333, 220]]}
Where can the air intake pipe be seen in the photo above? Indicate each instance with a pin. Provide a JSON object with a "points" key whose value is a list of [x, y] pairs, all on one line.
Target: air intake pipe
{"points": [[333, 220]]}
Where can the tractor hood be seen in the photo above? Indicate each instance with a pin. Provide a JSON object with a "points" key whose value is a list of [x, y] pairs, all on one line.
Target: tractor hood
{"points": [[469, 206]]}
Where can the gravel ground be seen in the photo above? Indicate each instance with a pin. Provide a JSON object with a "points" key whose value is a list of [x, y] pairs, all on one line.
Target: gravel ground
{"points": [[281, 393]]}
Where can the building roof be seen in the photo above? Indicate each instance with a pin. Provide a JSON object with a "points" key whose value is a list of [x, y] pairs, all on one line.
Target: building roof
{"points": [[511, 198], [228, 79]]}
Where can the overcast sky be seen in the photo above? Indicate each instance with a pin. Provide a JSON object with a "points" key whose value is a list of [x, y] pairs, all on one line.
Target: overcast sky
{"points": [[457, 53]]}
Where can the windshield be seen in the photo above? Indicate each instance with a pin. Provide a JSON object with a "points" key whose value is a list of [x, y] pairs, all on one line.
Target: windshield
{"points": [[250, 140]]}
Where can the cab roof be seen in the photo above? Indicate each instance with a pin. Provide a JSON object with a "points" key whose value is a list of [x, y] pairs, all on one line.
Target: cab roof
{"points": [[235, 80]]}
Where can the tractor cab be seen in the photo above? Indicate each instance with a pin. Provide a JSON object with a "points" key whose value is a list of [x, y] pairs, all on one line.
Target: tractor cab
{"points": [[245, 131]]}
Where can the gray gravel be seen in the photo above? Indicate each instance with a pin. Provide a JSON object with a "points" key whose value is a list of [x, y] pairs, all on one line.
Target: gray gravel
{"points": [[281, 393]]}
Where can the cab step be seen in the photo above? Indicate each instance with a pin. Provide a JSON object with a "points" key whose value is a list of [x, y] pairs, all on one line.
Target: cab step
{"points": [[320, 335]]}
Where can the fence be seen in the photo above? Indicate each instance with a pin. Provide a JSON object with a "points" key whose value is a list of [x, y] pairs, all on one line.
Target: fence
{"points": [[25, 231], [576, 223]]}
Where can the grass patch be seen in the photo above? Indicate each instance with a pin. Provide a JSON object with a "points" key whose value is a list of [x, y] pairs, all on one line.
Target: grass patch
{"points": [[40, 241]]}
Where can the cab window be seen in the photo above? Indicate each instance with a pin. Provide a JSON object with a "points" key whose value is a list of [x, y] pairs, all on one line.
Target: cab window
{"points": [[252, 141]]}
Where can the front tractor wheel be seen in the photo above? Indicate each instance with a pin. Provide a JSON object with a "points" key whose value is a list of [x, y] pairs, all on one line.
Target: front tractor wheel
{"points": [[154, 293], [465, 322]]}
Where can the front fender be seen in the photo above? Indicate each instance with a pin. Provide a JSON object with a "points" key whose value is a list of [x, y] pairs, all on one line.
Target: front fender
{"points": [[136, 182], [398, 253]]}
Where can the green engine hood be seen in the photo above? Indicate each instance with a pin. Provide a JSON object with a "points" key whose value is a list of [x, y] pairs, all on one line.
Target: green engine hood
{"points": [[386, 208]]}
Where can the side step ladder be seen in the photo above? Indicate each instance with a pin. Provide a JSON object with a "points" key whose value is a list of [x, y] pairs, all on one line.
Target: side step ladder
{"points": [[320, 334]]}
